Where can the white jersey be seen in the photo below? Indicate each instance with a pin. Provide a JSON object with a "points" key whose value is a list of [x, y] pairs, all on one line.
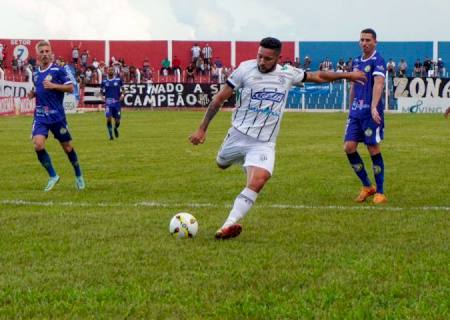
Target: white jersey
{"points": [[261, 98]]}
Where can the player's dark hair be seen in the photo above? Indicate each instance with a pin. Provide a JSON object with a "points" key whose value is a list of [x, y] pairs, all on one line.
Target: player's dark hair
{"points": [[271, 43], [371, 31]]}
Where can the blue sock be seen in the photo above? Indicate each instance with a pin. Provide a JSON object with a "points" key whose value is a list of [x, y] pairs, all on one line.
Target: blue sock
{"points": [[358, 166], [44, 159], [109, 126], [378, 171], [74, 161]]}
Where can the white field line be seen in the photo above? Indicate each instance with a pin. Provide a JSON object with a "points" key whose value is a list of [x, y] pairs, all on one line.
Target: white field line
{"points": [[159, 204]]}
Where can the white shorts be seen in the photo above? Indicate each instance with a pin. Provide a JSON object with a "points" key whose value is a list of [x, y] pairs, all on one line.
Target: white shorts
{"points": [[242, 149]]}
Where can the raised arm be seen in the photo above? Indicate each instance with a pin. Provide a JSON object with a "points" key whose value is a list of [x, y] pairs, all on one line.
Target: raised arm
{"points": [[199, 135], [325, 76]]}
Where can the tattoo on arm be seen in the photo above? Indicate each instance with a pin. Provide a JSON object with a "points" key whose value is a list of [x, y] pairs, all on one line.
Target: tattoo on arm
{"points": [[211, 112]]}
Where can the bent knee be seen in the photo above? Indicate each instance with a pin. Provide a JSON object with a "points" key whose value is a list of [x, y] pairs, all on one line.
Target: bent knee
{"points": [[349, 148]]}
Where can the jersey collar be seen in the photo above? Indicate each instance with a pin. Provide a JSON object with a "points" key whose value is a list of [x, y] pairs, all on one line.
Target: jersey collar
{"points": [[364, 60]]}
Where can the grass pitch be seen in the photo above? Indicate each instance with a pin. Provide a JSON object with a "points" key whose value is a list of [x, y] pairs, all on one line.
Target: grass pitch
{"points": [[306, 252]]}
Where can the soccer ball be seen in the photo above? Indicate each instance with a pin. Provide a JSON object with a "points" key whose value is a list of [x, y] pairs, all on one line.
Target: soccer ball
{"points": [[183, 225]]}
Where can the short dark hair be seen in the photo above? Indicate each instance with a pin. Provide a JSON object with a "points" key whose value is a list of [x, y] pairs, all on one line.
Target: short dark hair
{"points": [[371, 31], [271, 43]]}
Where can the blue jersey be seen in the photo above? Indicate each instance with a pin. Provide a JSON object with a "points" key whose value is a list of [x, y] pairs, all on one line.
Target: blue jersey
{"points": [[49, 103], [111, 89], [372, 67]]}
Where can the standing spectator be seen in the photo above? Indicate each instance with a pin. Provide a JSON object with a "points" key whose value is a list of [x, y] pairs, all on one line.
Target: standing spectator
{"points": [[402, 68], [207, 52], [117, 67], [418, 68], [440, 68], [75, 54], [390, 66], [195, 50], [88, 76], [214, 73], [190, 70], [349, 65], [15, 64], [165, 67], [200, 66], [340, 66], [307, 63], [95, 64], [32, 63], [126, 73], [328, 64], [85, 58], [176, 68], [427, 66]]}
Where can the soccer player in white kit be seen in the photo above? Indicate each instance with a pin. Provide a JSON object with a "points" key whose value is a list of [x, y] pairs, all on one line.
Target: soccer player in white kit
{"points": [[262, 86]]}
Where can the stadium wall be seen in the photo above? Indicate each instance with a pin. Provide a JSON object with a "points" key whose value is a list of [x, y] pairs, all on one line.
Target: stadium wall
{"points": [[410, 51], [444, 52], [182, 49], [135, 52]]}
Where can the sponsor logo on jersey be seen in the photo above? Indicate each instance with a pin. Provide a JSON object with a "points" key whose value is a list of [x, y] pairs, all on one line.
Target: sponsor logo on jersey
{"points": [[267, 111], [267, 95], [263, 157]]}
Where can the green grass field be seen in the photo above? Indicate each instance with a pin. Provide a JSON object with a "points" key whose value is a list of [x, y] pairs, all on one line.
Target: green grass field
{"points": [[306, 251]]}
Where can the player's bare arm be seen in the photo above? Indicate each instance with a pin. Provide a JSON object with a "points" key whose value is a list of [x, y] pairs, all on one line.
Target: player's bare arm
{"points": [[199, 136], [325, 76], [60, 87], [351, 95], [378, 87]]}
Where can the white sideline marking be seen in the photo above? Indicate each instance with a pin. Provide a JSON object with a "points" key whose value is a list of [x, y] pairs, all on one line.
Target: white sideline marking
{"points": [[157, 204]]}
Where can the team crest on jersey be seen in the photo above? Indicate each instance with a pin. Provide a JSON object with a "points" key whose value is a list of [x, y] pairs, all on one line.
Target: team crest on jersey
{"points": [[367, 69], [35, 78], [368, 132], [63, 131], [48, 77]]}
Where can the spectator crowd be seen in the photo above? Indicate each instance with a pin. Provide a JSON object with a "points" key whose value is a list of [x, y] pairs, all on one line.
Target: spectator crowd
{"points": [[202, 67]]}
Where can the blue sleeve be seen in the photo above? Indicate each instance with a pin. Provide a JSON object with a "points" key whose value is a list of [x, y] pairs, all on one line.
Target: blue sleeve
{"points": [[380, 67], [63, 77]]}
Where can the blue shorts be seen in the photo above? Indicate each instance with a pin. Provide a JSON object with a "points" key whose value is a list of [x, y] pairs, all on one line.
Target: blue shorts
{"points": [[113, 111], [59, 129], [364, 130]]}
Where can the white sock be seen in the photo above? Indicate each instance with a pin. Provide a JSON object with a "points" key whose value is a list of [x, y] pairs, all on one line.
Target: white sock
{"points": [[243, 203]]}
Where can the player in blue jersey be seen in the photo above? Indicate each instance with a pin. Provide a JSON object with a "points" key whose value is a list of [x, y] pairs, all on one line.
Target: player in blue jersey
{"points": [[366, 119], [51, 82], [112, 92]]}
